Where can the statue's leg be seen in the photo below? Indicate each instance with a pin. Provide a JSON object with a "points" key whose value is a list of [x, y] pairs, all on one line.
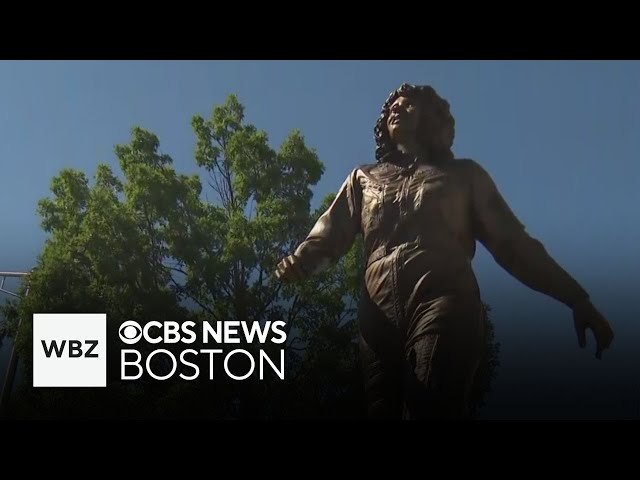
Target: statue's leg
{"points": [[382, 377], [381, 353], [440, 365]]}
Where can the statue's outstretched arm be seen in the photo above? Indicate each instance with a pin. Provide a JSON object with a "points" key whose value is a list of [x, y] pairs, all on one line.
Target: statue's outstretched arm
{"points": [[524, 257], [331, 236], [505, 237]]}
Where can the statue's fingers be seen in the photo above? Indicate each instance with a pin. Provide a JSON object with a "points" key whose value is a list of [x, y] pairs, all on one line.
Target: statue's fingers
{"points": [[296, 268], [599, 347], [288, 269], [581, 331], [604, 337], [608, 336], [281, 270]]}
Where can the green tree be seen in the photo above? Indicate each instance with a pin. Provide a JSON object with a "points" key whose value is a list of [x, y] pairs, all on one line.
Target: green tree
{"points": [[153, 244]]}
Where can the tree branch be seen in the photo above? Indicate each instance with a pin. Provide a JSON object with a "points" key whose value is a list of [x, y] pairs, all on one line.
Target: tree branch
{"points": [[291, 316], [268, 303], [195, 299]]}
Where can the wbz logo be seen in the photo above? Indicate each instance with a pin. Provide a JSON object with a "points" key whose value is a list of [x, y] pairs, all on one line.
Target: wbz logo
{"points": [[75, 348], [69, 350]]}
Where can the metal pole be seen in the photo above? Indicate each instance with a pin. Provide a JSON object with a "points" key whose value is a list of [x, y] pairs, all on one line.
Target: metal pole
{"points": [[12, 368]]}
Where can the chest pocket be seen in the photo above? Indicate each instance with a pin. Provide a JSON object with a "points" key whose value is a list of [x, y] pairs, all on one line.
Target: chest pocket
{"points": [[440, 199], [373, 196], [427, 190]]}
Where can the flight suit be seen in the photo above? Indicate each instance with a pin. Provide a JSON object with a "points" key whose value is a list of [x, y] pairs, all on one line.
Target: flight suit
{"points": [[421, 318]]}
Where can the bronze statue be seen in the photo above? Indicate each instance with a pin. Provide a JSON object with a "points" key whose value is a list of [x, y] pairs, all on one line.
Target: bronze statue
{"points": [[420, 211]]}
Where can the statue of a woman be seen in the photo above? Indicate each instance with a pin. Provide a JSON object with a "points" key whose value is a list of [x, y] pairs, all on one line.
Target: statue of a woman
{"points": [[420, 211]]}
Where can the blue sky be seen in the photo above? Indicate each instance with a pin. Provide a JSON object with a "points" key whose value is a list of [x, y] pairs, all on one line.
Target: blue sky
{"points": [[560, 138]]}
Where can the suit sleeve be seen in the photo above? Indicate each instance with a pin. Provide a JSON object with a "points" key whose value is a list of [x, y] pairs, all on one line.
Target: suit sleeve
{"points": [[335, 231], [506, 238]]}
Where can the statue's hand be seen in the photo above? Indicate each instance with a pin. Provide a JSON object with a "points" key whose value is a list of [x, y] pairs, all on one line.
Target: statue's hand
{"points": [[585, 315], [290, 269]]}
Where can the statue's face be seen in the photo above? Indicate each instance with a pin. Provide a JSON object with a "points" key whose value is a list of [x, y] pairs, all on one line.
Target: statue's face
{"points": [[404, 116]]}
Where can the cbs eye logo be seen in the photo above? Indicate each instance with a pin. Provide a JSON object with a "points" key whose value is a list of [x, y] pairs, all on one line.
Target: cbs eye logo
{"points": [[130, 332]]}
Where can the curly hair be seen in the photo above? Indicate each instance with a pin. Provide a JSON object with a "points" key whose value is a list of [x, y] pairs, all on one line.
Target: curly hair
{"points": [[436, 124]]}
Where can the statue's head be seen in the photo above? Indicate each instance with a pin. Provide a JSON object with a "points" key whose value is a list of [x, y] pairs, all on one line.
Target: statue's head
{"points": [[415, 110]]}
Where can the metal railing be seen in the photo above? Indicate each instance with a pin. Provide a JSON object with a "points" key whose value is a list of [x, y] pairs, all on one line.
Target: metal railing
{"points": [[4, 276], [10, 376]]}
